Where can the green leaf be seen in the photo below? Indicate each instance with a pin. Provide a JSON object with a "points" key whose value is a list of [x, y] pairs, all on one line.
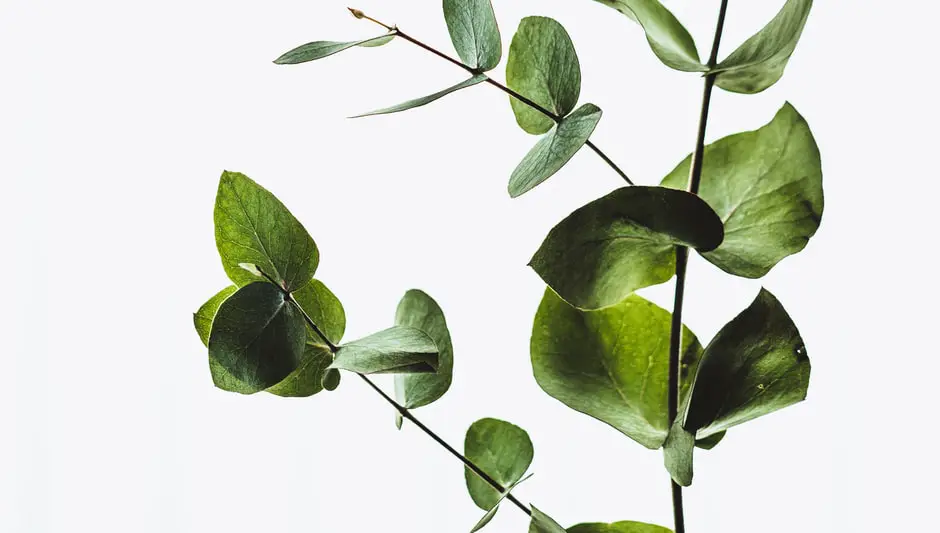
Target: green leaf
{"points": [[756, 365], [622, 242], [399, 349], [257, 336], [710, 441], [677, 453], [424, 100], [331, 379], [418, 310], [618, 527], [668, 38], [202, 319], [611, 364], [474, 32], [542, 523], [554, 150], [252, 226], [759, 62], [543, 66], [500, 449], [766, 186], [492, 512], [320, 49]]}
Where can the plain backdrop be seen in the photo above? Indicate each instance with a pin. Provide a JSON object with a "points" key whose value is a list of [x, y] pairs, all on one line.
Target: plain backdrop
{"points": [[117, 117]]}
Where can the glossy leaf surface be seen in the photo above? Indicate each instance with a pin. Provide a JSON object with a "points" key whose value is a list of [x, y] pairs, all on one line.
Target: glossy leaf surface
{"points": [[474, 32], [398, 349], [543, 66], [766, 186], [502, 450], [668, 38], [622, 242], [542, 523], [618, 527], [418, 310], [424, 100], [554, 150], [320, 49]]}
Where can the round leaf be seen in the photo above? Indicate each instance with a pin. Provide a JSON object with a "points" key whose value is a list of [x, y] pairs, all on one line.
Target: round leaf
{"points": [[399, 349], [202, 319], [418, 310], [502, 450], [668, 38], [474, 32]]}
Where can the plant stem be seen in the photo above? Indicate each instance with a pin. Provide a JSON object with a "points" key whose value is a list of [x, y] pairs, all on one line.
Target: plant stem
{"points": [[682, 259], [394, 29]]}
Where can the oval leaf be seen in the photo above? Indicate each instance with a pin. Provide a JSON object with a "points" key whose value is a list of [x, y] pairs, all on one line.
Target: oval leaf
{"points": [[424, 100], [759, 62], [618, 527], [554, 150], [611, 364], [502, 450], [766, 186], [418, 310], [399, 349], [543, 66], [254, 227], [622, 242], [756, 365], [542, 523], [257, 336], [320, 49], [474, 32], [668, 38]]}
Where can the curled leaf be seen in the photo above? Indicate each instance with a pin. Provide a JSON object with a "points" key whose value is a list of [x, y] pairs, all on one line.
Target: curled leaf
{"points": [[396, 350], [668, 38]]}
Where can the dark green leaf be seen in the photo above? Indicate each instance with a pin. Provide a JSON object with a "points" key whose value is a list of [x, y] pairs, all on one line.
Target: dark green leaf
{"points": [[254, 227], [618, 527], [424, 100], [320, 49], [418, 310], [542, 523], [331, 379], [473, 30], [554, 150], [766, 186], [399, 349], [677, 453], [667, 36], [611, 364], [307, 379], [202, 319], [621, 242], [759, 62], [710, 441], [500, 449], [257, 336], [492, 512], [756, 365], [543, 67]]}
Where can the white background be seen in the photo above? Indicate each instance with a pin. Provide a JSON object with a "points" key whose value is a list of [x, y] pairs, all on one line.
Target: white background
{"points": [[117, 117]]}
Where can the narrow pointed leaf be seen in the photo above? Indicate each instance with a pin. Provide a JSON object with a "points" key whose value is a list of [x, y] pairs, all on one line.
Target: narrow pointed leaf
{"points": [[677, 453], [492, 512], [543, 67], [554, 150], [710, 441], [424, 100], [202, 319], [254, 227], [257, 336], [474, 32], [766, 186], [618, 527], [668, 38], [418, 310], [398, 349], [756, 365], [320, 49], [542, 523], [502, 450], [622, 242], [611, 364], [760, 61]]}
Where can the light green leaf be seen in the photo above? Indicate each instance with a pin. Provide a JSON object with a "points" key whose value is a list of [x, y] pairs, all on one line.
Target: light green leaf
{"points": [[668, 38], [257, 336], [320, 49], [543, 66], [756, 365], [474, 32], [202, 319], [677, 453], [554, 150], [622, 242], [399, 349], [492, 512], [710, 441], [424, 100], [500, 449], [252, 226], [418, 310], [759, 62], [542, 523], [618, 527], [766, 186], [611, 364]]}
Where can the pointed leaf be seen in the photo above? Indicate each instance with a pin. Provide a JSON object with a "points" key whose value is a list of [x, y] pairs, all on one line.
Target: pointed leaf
{"points": [[618, 527], [252, 226], [424, 100], [554, 150], [474, 32], [492, 512], [398, 349], [542, 523], [543, 67], [418, 310], [500, 449], [202, 319], [756, 365], [677, 453], [759, 62], [257, 336], [624, 241], [320, 49], [668, 38], [611, 364], [766, 186]]}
